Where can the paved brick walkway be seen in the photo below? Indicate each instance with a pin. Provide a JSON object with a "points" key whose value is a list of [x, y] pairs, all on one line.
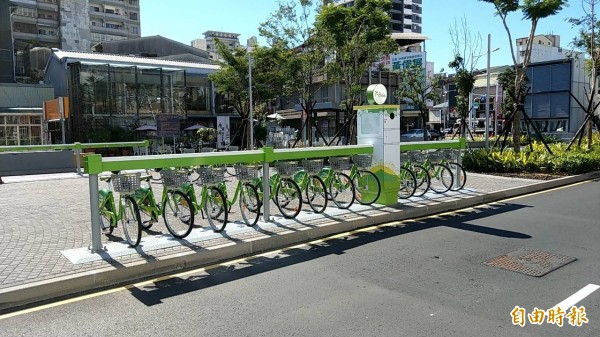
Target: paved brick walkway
{"points": [[40, 216]]}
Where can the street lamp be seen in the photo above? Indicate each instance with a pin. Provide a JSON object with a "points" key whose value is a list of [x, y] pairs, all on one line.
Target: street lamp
{"points": [[250, 118], [487, 94]]}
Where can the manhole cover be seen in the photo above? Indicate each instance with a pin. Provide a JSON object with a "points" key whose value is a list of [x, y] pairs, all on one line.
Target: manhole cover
{"points": [[530, 262]]}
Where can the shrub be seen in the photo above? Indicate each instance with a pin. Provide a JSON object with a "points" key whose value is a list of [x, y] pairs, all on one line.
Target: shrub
{"points": [[575, 161]]}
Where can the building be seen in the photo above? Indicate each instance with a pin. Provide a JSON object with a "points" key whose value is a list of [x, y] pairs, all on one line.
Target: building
{"points": [[21, 113], [68, 25], [231, 40], [544, 48], [107, 91], [406, 15]]}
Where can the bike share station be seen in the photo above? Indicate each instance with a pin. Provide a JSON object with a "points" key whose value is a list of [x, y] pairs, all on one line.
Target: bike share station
{"points": [[378, 134]]}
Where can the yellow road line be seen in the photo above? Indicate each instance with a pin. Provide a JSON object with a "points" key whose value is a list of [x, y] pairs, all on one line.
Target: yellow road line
{"points": [[273, 252]]}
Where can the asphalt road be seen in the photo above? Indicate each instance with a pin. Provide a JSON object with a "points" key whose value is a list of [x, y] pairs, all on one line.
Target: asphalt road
{"points": [[420, 278]]}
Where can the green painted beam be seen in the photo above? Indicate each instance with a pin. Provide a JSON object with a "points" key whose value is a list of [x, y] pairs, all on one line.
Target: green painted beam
{"points": [[320, 152], [94, 164], [25, 148], [377, 107], [435, 145]]}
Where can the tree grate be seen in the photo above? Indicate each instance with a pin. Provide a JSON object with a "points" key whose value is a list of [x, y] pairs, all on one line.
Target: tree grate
{"points": [[530, 262]]}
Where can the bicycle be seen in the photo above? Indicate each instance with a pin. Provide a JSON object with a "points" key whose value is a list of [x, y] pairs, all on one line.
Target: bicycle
{"points": [[366, 183], [441, 177], [423, 181], [127, 213], [313, 186], [175, 207], [446, 157], [341, 188], [249, 201], [210, 200], [288, 196]]}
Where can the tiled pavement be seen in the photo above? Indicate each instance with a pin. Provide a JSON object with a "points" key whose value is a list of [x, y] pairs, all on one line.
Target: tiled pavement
{"points": [[42, 216]]}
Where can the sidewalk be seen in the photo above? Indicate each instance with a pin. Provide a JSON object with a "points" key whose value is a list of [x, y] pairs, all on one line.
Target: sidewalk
{"points": [[45, 230]]}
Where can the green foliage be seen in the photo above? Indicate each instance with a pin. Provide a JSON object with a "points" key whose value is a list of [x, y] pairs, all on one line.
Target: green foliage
{"points": [[539, 160], [207, 134], [260, 132], [415, 87]]}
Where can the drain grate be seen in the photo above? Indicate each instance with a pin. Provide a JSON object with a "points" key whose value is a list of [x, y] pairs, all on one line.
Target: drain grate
{"points": [[530, 262]]}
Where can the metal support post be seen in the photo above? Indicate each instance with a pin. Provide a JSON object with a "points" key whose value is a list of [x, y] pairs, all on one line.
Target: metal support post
{"points": [[95, 210], [78, 159], [266, 194], [487, 96]]}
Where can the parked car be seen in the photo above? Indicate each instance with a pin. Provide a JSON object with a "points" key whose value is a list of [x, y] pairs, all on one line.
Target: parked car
{"points": [[415, 135]]}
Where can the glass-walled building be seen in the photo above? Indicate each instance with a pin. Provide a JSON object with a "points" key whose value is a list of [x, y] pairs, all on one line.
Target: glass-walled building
{"points": [[107, 91]]}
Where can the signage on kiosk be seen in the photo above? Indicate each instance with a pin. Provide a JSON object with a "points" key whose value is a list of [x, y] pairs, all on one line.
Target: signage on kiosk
{"points": [[379, 125]]}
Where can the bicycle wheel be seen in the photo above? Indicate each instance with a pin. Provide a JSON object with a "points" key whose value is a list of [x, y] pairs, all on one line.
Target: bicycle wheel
{"points": [[215, 209], [131, 222], [249, 204], [368, 187], [288, 198], [106, 223], [178, 214], [423, 180], [341, 190], [408, 183], [459, 174], [441, 178], [316, 194]]}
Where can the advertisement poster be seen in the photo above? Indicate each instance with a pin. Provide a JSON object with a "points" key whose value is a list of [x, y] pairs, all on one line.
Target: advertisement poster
{"points": [[167, 125], [401, 60], [223, 134]]}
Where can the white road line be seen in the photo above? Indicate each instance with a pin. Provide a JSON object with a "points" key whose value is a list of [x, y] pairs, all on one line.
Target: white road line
{"points": [[578, 296]]}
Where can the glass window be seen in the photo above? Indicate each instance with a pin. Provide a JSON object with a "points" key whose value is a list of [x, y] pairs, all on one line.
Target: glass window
{"points": [[561, 78]]}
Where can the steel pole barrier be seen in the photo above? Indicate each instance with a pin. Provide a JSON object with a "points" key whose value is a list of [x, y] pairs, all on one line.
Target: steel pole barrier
{"points": [[95, 208]]}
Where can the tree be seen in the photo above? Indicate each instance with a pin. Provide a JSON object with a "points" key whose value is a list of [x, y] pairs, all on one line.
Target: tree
{"points": [[292, 28], [587, 42], [467, 51], [268, 79], [534, 11], [356, 37], [416, 87]]}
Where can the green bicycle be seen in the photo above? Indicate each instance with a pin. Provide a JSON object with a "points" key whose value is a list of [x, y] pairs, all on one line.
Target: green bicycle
{"points": [[287, 196], [422, 179], [341, 188], [127, 213], [175, 207], [313, 186], [366, 183], [208, 198]]}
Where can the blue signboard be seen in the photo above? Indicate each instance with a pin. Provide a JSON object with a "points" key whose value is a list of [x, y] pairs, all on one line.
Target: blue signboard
{"points": [[167, 125]]}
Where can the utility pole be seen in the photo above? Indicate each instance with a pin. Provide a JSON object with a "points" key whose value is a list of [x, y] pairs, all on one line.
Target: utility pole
{"points": [[487, 95]]}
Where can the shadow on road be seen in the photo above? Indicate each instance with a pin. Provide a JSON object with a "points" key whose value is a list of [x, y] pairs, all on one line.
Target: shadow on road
{"points": [[175, 286]]}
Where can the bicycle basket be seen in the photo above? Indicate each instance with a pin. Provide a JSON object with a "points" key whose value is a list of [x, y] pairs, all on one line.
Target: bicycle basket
{"points": [[312, 165], [211, 175], [363, 161], [415, 157], [286, 168], [340, 163], [173, 178], [245, 172], [435, 156], [448, 154], [126, 183]]}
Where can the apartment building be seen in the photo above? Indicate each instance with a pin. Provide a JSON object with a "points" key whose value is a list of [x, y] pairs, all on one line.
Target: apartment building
{"points": [[231, 40], [544, 48], [68, 25], [406, 15]]}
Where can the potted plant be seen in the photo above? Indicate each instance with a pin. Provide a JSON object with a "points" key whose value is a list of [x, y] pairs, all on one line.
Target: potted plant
{"points": [[207, 135]]}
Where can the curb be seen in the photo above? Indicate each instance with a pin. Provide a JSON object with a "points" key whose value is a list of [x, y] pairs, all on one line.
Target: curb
{"points": [[26, 294]]}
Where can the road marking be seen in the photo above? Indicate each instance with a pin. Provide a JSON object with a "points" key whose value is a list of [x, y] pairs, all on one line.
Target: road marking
{"points": [[278, 251], [577, 297]]}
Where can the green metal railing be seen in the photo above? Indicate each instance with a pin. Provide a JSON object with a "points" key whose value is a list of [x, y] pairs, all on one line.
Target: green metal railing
{"points": [[96, 164], [458, 144], [76, 147]]}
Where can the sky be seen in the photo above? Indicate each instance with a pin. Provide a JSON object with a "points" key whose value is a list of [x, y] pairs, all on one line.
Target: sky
{"points": [[186, 20]]}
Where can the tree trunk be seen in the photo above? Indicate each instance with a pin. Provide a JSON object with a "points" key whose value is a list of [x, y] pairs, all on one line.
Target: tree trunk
{"points": [[516, 130]]}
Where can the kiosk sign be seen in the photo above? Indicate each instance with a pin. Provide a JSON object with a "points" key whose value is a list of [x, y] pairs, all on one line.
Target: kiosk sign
{"points": [[376, 94]]}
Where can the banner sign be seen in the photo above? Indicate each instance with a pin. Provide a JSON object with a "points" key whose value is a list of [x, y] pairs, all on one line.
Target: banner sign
{"points": [[401, 60], [223, 134]]}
